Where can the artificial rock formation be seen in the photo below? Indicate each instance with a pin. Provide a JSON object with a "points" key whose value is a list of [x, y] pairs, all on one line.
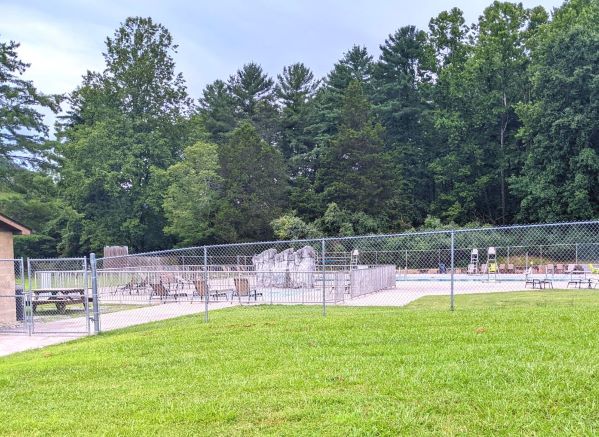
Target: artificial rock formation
{"points": [[287, 269]]}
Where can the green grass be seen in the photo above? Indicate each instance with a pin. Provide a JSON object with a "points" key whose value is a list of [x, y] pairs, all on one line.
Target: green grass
{"points": [[525, 364]]}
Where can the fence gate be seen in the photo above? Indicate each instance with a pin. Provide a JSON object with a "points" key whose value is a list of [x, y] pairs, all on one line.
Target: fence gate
{"points": [[13, 299], [59, 295]]}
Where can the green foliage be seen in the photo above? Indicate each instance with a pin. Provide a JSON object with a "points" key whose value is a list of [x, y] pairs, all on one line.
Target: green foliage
{"points": [[560, 177], [22, 128], [291, 227], [490, 123], [254, 186], [193, 198], [126, 122], [353, 168]]}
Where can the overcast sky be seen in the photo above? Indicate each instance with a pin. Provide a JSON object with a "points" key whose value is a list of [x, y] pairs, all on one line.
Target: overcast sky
{"points": [[64, 38]]}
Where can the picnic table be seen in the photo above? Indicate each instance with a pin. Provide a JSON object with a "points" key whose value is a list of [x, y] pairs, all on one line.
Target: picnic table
{"points": [[60, 297]]}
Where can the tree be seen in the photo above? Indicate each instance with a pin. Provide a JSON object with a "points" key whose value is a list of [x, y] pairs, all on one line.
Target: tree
{"points": [[475, 117], [291, 227], [353, 171], [253, 96], [402, 78], [125, 123], [255, 185], [193, 198], [560, 176], [217, 111], [23, 132], [295, 90]]}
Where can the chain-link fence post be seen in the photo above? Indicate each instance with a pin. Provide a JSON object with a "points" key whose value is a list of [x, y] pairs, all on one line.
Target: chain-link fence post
{"points": [[26, 297], [324, 279], [452, 304], [206, 278], [29, 288], [95, 301]]}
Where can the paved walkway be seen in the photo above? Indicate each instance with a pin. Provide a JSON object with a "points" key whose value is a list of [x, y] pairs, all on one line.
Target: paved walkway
{"points": [[61, 330]]}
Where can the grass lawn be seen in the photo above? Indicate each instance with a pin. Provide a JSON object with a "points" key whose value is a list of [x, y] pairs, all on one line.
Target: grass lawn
{"points": [[503, 363]]}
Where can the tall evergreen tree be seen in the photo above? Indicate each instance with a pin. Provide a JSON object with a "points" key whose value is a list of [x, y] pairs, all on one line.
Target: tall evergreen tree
{"points": [[253, 96], [402, 76], [353, 171], [217, 111], [23, 133], [254, 185]]}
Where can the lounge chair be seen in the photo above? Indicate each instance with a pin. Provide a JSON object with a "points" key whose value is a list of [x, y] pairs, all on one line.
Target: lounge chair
{"points": [[159, 290], [203, 289], [573, 268], [242, 288]]}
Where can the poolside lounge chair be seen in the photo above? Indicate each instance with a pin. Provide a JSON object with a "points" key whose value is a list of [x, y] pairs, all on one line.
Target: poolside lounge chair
{"points": [[202, 289], [242, 288], [158, 290]]}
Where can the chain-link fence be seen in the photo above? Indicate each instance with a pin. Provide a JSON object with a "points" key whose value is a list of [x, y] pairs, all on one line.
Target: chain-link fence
{"points": [[434, 269], [388, 270], [60, 298]]}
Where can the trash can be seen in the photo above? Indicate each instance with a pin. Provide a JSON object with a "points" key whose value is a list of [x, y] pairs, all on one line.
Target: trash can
{"points": [[20, 303]]}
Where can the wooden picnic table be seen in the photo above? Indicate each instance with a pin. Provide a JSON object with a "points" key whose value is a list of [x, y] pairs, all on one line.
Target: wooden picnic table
{"points": [[61, 297]]}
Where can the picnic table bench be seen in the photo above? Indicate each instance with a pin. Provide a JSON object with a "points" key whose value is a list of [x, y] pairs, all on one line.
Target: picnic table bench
{"points": [[60, 297], [579, 282], [538, 283]]}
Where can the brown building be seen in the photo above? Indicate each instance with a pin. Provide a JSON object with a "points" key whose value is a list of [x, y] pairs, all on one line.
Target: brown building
{"points": [[8, 228]]}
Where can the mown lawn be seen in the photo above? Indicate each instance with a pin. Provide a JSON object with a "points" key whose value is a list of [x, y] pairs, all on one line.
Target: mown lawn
{"points": [[524, 364]]}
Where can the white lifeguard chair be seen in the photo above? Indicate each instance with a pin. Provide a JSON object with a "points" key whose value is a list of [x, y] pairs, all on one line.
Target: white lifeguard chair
{"points": [[353, 262], [473, 266]]}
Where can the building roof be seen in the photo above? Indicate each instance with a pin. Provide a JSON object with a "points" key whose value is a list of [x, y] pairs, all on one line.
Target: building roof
{"points": [[14, 226]]}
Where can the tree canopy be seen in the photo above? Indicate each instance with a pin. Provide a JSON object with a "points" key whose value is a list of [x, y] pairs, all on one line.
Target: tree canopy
{"points": [[488, 122]]}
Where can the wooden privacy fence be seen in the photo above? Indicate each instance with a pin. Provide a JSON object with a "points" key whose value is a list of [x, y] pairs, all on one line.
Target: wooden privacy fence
{"points": [[372, 279]]}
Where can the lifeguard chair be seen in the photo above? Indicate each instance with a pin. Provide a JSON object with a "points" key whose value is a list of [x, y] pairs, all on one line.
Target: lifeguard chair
{"points": [[473, 266], [353, 262], [492, 267]]}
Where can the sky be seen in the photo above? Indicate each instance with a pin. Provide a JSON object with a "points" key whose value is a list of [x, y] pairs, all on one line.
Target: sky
{"points": [[62, 39]]}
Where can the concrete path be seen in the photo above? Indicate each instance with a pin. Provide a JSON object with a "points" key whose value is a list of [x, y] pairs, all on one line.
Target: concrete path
{"points": [[61, 330]]}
